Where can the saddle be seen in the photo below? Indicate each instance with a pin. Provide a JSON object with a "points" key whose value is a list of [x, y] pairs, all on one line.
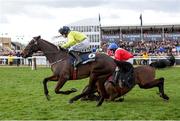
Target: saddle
{"points": [[85, 57]]}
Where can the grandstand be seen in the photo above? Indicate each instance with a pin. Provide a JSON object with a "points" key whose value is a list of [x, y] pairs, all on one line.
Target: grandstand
{"points": [[133, 33], [156, 39]]}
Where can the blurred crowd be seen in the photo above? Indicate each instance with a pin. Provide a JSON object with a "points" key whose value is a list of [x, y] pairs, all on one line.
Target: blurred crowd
{"points": [[153, 48]]}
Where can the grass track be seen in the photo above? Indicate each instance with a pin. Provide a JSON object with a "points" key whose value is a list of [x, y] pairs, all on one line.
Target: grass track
{"points": [[21, 97]]}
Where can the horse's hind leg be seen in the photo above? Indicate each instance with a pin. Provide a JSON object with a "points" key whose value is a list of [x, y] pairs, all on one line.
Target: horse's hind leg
{"points": [[91, 97], [102, 91], [89, 90], [156, 83], [161, 89]]}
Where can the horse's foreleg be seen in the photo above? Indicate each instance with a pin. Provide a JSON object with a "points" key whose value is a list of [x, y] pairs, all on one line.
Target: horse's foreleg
{"points": [[88, 91], [156, 83], [51, 78], [92, 96], [60, 84], [102, 91]]}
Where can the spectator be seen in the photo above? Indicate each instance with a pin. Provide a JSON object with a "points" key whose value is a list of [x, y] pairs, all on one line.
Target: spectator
{"points": [[145, 57], [10, 59], [29, 61], [18, 58]]}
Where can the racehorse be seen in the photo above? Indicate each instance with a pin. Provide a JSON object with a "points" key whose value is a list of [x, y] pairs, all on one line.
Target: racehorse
{"points": [[144, 77], [98, 71]]}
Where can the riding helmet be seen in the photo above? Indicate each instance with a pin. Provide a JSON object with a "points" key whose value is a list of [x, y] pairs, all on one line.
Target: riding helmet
{"points": [[112, 46], [64, 30]]}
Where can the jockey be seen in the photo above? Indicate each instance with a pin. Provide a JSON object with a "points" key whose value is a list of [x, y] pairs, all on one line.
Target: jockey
{"points": [[76, 41], [119, 54]]}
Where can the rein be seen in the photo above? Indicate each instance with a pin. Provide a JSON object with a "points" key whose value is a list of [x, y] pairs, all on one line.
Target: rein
{"points": [[49, 52], [57, 61]]}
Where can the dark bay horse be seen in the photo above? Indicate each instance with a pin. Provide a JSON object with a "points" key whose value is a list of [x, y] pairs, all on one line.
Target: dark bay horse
{"points": [[59, 59], [144, 77], [163, 63]]}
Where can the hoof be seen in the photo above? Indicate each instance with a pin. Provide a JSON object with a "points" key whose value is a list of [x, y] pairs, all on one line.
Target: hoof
{"points": [[48, 97], [71, 101], [98, 105], [90, 98], [165, 97], [73, 90], [120, 100]]}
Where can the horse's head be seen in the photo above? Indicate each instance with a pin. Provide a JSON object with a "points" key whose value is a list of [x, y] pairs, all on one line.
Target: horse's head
{"points": [[31, 48]]}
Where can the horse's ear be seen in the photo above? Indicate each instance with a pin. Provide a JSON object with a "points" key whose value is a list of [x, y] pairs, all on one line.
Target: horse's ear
{"points": [[38, 37]]}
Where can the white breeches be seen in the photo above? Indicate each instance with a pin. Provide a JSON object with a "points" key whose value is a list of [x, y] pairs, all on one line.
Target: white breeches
{"points": [[81, 46]]}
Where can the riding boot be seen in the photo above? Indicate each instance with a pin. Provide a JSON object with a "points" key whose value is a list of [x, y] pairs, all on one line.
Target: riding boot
{"points": [[78, 59]]}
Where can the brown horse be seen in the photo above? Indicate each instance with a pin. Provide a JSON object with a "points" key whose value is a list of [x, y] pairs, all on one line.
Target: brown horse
{"points": [[98, 71], [144, 77]]}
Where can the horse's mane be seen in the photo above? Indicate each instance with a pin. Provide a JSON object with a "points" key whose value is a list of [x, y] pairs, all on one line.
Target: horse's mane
{"points": [[49, 43]]}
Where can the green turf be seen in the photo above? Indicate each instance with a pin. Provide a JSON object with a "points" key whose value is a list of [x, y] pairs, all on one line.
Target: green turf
{"points": [[21, 97]]}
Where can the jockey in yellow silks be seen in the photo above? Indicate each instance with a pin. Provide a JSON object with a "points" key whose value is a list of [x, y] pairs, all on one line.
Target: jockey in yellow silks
{"points": [[76, 41]]}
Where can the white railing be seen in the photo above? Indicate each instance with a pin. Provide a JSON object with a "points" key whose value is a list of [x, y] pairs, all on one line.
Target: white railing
{"points": [[40, 60]]}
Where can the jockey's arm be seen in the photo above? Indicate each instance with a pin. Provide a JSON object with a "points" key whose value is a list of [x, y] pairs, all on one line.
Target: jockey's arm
{"points": [[71, 41]]}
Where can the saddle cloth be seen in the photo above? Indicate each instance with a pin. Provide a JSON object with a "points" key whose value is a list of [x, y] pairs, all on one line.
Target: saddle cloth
{"points": [[86, 57]]}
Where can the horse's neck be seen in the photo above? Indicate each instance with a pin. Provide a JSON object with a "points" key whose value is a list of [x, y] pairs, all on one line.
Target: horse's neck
{"points": [[51, 52]]}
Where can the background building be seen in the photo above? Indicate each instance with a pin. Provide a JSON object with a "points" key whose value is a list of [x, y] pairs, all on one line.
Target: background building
{"points": [[101, 36], [5, 42], [133, 33], [10, 44]]}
